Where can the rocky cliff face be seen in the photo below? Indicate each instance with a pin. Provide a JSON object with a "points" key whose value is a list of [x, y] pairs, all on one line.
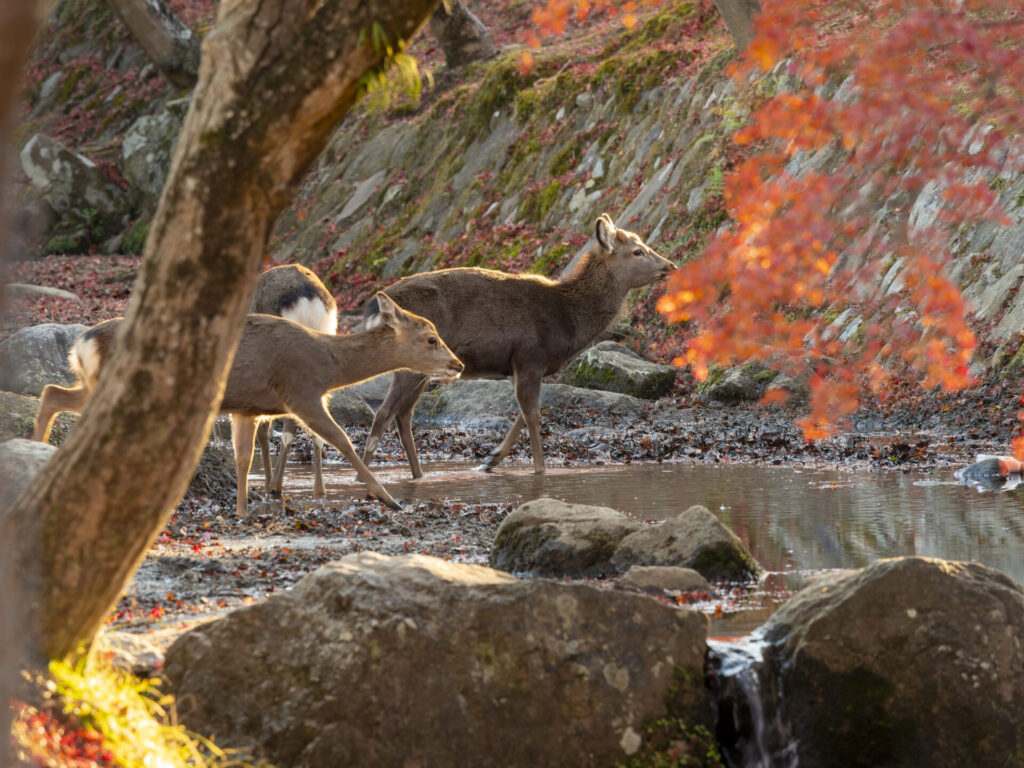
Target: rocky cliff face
{"points": [[495, 168]]}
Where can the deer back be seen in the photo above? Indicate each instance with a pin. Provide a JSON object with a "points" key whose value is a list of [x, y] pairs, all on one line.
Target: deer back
{"points": [[295, 292]]}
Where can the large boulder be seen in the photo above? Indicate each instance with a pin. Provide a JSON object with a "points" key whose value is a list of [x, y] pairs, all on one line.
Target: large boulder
{"points": [[91, 205], [488, 403], [412, 660], [693, 539], [612, 367], [20, 461], [742, 384], [909, 662], [36, 356], [147, 149], [552, 537]]}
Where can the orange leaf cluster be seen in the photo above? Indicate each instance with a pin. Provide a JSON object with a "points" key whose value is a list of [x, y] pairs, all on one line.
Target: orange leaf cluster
{"points": [[897, 99]]}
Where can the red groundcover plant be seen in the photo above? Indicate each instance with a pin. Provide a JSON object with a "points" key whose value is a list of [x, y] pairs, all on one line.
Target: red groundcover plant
{"points": [[929, 104]]}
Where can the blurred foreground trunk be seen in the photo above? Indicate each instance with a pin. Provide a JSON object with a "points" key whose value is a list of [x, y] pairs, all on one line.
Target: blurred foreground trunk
{"points": [[274, 80], [18, 24]]}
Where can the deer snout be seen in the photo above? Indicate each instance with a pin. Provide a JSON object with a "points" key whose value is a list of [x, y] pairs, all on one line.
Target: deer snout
{"points": [[666, 266], [455, 368]]}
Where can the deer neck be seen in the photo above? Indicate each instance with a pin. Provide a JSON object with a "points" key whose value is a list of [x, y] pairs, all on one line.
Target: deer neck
{"points": [[594, 298], [361, 356]]}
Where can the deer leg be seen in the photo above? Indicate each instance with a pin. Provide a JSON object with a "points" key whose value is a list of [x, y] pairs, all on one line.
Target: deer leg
{"points": [[243, 430], [316, 417], [288, 431], [54, 400], [528, 397], [263, 439], [404, 419], [405, 390], [502, 450], [318, 467]]}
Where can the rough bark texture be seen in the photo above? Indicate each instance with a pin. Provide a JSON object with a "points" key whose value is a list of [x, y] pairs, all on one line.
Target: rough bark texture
{"points": [[461, 35], [18, 24], [166, 40], [739, 19], [274, 80]]}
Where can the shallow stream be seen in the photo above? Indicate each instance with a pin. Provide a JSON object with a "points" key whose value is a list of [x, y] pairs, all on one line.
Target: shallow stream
{"points": [[795, 521]]}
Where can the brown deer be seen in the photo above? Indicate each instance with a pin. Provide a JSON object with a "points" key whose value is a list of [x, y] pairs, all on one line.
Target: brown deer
{"points": [[296, 293], [282, 368], [524, 326]]}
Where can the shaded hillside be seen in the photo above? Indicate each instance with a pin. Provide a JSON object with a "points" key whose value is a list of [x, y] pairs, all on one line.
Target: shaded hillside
{"points": [[489, 166], [510, 171]]}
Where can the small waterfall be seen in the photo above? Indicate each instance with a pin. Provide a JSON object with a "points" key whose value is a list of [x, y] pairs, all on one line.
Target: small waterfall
{"points": [[749, 729]]}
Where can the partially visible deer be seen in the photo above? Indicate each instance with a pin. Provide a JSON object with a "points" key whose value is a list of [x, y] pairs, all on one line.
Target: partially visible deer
{"points": [[524, 326], [282, 368], [296, 293]]}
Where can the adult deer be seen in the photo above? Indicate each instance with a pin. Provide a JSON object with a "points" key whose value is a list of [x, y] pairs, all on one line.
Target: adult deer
{"points": [[524, 326], [294, 292], [282, 368]]}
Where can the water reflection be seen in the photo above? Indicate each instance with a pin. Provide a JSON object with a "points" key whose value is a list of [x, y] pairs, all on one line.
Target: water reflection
{"points": [[791, 519]]}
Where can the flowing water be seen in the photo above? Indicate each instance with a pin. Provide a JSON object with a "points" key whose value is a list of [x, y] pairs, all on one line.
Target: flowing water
{"points": [[795, 521]]}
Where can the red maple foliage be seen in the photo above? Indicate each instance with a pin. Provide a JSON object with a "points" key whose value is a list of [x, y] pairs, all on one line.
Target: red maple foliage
{"points": [[897, 99]]}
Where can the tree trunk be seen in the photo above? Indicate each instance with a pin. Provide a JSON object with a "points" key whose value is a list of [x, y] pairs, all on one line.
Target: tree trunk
{"points": [[275, 78], [170, 45], [739, 19], [461, 35], [18, 24]]}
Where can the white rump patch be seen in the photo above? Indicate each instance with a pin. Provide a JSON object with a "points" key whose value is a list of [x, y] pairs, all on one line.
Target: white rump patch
{"points": [[85, 360], [313, 314]]}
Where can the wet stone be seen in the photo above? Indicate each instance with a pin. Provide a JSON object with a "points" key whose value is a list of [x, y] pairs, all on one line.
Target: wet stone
{"points": [[694, 539], [551, 537]]}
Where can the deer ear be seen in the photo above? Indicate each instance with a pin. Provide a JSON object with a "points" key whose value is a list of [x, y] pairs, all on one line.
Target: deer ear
{"points": [[389, 311], [605, 231]]}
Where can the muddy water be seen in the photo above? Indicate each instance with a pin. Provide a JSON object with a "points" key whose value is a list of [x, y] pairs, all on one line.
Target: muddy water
{"points": [[795, 521]]}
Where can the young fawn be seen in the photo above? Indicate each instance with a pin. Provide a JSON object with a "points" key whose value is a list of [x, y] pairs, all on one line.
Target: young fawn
{"points": [[296, 293], [282, 368], [524, 326]]}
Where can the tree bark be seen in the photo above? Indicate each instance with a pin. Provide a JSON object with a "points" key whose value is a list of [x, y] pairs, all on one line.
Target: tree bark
{"points": [[274, 80], [739, 19], [18, 24], [461, 35], [170, 44]]}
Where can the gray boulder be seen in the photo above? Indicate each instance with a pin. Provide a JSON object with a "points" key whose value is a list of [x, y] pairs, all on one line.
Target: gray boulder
{"points": [[552, 537], [488, 403], [693, 539], [664, 579], [412, 660], [909, 662], [71, 183], [147, 150], [36, 356], [742, 384], [349, 409], [20, 461], [614, 368]]}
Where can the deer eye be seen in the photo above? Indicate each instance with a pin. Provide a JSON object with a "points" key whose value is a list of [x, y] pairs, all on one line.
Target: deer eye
{"points": [[638, 252], [432, 341]]}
